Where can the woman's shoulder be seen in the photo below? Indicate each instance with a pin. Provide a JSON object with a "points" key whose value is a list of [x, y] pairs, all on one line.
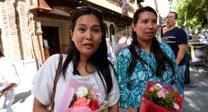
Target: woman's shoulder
{"points": [[164, 46], [5, 60], [53, 60], [166, 49], [124, 52], [55, 57]]}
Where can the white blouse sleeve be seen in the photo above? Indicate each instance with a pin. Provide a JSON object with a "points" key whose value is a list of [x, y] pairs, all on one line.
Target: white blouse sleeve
{"points": [[43, 80], [114, 94], [8, 73]]}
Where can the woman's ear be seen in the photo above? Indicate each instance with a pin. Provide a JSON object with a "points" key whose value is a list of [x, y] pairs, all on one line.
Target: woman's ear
{"points": [[132, 26]]}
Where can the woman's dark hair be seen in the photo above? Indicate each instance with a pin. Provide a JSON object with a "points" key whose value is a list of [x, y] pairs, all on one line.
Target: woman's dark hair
{"points": [[99, 58], [160, 56], [1, 53], [161, 31]]}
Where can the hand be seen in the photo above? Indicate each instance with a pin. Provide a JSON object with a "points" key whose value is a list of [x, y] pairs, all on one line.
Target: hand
{"points": [[132, 110], [1, 93]]}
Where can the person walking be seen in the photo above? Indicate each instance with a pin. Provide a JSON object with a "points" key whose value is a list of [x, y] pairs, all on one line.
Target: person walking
{"points": [[8, 80], [177, 39], [111, 55], [145, 59], [86, 62]]}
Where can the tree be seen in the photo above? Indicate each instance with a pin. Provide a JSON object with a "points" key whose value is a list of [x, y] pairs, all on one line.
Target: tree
{"points": [[193, 13]]}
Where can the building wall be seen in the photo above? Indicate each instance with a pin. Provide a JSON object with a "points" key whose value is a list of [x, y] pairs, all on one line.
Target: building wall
{"points": [[21, 29], [63, 26], [15, 32], [115, 7], [16, 38], [23, 9], [8, 26]]}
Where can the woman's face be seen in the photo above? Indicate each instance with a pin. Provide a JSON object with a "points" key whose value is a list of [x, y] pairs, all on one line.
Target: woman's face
{"points": [[146, 26], [87, 34], [164, 30]]}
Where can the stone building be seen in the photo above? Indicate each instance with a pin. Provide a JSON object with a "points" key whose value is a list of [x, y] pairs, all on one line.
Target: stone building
{"points": [[36, 29]]}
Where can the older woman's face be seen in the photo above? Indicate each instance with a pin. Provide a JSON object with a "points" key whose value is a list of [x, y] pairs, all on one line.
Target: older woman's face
{"points": [[146, 26], [87, 34]]}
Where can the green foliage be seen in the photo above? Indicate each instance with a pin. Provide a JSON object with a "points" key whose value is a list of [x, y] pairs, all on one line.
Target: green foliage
{"points": [[193, 13]]}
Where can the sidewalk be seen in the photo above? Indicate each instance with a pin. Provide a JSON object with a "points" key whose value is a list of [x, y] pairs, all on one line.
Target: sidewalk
{"points": [[196, 94], [23, 98]]}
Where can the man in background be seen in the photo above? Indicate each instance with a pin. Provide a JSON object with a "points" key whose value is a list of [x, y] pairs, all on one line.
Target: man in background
{"points": [[177, 39]]}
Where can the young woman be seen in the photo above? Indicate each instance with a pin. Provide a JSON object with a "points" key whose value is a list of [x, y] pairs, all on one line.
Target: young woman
{"points": [[86, 61], [145, 59]]}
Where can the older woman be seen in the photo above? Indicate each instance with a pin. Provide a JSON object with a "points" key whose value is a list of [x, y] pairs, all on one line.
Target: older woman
{"points": [[144, 59]]}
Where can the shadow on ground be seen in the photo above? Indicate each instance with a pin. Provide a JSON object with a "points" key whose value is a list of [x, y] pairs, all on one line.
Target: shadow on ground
{"points": [[196, 97], [21, 97]]}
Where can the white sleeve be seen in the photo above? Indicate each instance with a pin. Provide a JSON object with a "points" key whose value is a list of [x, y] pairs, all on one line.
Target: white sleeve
{"points": [[9, 71], [12, 76], [114, 94], [43, 80]]}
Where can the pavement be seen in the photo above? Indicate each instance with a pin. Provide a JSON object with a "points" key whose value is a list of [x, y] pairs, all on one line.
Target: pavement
{"points": [[195, 99], [196, 93]]}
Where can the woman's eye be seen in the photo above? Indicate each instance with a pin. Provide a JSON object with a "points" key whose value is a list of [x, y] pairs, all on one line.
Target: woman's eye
{"points": [[82, 29], [154, 21], [96, 30], [145, 21]]}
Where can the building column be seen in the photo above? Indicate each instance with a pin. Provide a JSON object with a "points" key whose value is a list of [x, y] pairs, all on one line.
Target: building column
{"points": [[37, 41]]}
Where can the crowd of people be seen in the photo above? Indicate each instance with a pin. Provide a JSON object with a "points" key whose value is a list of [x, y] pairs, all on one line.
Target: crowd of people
{"points": [[122, 80]]}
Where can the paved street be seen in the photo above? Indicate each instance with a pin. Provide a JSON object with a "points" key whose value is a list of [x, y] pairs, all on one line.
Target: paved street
{"points": [[196, 95]]}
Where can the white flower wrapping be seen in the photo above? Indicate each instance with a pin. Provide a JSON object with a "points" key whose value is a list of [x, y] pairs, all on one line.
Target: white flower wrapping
{"points": [[81, 91]]}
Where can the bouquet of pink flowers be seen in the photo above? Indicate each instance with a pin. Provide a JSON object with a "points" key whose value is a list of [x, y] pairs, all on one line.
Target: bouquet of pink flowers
{"points": [[160, 98], [80, 97]]}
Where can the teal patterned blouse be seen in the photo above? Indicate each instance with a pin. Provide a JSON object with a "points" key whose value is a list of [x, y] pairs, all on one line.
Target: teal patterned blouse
{"points": [[132, 86]]}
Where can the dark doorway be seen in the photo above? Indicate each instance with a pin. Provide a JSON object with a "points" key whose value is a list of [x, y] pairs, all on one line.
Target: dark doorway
{"points": [[50, 40]]}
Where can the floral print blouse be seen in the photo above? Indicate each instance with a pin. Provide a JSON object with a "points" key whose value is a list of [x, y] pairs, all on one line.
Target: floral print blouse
{"points": [[132, 86]]}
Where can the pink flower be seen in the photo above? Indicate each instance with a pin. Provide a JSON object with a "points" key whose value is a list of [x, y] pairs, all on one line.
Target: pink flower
{"points": [[162, 96], [81, 101], [161, 93], [98, 97], [155, 87]]}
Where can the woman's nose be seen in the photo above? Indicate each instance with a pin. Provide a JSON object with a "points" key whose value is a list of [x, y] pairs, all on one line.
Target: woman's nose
{"points": [[152, 24], [88, 35]]}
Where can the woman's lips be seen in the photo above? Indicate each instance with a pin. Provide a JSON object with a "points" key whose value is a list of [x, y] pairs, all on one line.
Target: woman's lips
{"points": [[149, 33], [88, 45]]}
